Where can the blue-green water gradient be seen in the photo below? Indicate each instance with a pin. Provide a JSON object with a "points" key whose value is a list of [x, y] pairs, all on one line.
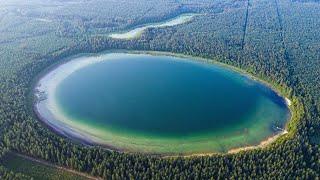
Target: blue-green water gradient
{"points": [[168, 97]]}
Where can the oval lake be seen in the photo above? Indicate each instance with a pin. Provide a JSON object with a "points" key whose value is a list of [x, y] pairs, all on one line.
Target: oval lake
{"points": [[158, 104]]}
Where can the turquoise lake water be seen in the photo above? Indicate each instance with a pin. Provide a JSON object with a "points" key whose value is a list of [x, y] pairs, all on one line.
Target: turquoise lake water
{"points": [[157, 98]]}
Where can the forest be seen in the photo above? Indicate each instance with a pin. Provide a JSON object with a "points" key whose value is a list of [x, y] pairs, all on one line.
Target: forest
{"points": [[275, 40]]}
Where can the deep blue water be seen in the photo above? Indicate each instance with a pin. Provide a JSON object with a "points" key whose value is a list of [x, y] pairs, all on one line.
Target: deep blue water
{"points": [[165, 96]]}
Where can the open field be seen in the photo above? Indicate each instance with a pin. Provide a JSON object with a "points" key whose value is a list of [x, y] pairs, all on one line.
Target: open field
{"points": [[39, 169]]}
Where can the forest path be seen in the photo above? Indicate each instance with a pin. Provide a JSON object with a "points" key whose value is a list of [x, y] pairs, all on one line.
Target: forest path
{"points": [[43, 162]]}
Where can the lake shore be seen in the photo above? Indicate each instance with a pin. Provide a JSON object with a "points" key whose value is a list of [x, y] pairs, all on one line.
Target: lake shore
{"points": [[95, 140], [263, 144]]}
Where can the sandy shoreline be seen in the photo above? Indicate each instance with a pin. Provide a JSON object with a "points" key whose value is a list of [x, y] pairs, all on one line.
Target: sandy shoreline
{"points": [[262, 144], [45, 91], [46, 107], [288, 101]]}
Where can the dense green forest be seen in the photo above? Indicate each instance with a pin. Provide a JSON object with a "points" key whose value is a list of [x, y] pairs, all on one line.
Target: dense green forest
{"points": [[276, 40]]}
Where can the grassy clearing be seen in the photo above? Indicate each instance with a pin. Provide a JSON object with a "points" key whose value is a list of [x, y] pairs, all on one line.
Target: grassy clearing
{"points": [[37, 169]]}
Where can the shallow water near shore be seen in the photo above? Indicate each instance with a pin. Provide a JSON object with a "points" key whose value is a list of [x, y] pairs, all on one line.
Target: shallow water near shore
{"points": [[158, 104]]}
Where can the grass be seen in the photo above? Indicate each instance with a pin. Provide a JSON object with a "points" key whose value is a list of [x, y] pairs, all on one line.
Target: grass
{"points": [[36, 170]]}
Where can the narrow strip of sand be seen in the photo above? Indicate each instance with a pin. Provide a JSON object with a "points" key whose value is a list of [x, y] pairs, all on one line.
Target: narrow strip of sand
{"points": [[48, 109], [261, 145], [288, 101]]}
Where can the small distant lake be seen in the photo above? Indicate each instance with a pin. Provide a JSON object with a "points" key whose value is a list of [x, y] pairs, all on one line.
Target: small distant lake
{"points": [[158, 104], [136, 32]]}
